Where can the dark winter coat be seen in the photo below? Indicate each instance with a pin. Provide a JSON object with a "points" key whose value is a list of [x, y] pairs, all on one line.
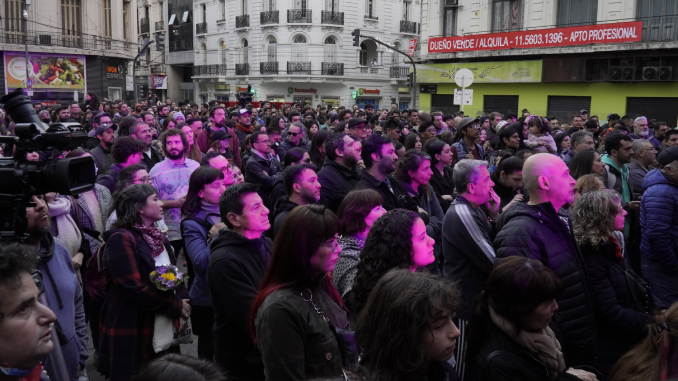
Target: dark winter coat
{"points": [[132, 301], [659, 244], [398, 199], [536, 231], [467, 251], [110, 177], [236, 268], [266, 181], [442, 184], [152, 160], [295, 342], [336, 181], [506, 195], [287, 145], [279, 191], [502, 359], [619, 326], [102, 158], [282, 208]]}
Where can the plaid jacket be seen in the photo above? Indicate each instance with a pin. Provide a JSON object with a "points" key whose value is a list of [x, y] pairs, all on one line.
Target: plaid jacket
{"points": [[128, 313], [83, 215]]}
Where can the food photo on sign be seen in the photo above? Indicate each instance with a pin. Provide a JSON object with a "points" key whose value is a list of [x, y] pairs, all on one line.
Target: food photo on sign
{"points": [[46, 71]]}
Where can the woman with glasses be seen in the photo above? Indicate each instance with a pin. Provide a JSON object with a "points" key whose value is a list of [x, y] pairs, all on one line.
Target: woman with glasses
{"points": [[201, 209], [297, 305]]}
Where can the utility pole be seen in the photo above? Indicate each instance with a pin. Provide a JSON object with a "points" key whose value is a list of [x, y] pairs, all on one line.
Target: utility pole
{"points": [[143, 51], [28, 63], [356, 34]]}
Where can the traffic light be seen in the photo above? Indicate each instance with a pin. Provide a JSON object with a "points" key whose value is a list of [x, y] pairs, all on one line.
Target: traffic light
{"points": [[159, 42], [356, 37], [410, 80], [141, 91]]}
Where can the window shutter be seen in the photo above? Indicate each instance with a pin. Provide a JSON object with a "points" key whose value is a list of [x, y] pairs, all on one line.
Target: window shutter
{"points": [[505, 104], [565, 108]]}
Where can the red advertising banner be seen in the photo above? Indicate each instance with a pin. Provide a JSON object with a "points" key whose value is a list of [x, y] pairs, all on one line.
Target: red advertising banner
{"points": [[412, 47], [543, 38]]}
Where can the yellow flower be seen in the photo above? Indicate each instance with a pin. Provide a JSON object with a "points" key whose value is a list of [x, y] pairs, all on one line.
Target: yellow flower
{"points": [[169, 276]]}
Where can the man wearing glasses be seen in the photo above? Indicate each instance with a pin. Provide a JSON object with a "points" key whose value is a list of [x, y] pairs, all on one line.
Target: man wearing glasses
{"points": [[105, 132], [216, 160], [644, 155], [467, 148], [295, 135], [358, 127], [262, 168]]}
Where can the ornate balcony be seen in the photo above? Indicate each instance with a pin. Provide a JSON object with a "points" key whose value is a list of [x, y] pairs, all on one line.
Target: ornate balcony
{"points": [[144, 26], [298, 67], [268, 68], [242, 69], [409, 27], [201, 28], [334, 18], [209, 70], [270, 17], [332, 68], [159, 26], [399, 71], [299, 16], [242, 21]]}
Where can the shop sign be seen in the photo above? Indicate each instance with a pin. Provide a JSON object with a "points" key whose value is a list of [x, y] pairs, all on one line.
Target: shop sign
{"points": [[483, 72], [115, 72], [46, 71], [543, 38], [362, 91], [159, 82], [239, 89], [428, 89], [403, 90], [129, 83], [294, 90]]}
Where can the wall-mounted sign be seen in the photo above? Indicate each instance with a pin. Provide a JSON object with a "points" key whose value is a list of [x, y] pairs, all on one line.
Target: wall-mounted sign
{"points": [[483, 72], [412, 47], [362, 91], [543, 38], [239, 89], [159, 82], [47, 71], [115, 72], [294, 90], [428, 89]]}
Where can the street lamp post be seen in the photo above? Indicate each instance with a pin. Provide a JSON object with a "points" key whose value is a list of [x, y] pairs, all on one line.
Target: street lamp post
{"points": [[28, 63]]}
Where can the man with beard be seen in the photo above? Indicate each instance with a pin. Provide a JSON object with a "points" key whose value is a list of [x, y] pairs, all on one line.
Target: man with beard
{"points": [[142, 131], [534, 230], [64, 115], [220, 123], [105, 132], [163, 112], [303, 188], [339, 174], [641, 130], [262, 168], [124, 109], [170, 178], [619, 151], [378, 154], [62, 289]]}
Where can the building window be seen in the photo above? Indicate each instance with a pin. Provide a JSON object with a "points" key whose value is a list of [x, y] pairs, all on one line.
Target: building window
{"points": [[222, 52], [406, 10], [506, 15], [395, 55], [272, 49], [244, 56], [363, 54], [299, 48], [107, 19], [330, 48], [222, 9], [449, 22], [71, 22], [269, 5], [13, 19], [659, 19], [244, 7], [204, 54], [577, 12], [301, 4], [370, 11], [332, 5]]}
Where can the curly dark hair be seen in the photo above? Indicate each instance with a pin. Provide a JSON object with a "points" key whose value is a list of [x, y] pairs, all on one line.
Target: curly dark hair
{"points": [[126, 146], [15, 259], [408, 303], [410, 162], [388, 246]]}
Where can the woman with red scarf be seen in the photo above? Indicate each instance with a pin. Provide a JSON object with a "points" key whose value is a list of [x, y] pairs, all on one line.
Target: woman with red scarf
{"points": [[134, 247]]}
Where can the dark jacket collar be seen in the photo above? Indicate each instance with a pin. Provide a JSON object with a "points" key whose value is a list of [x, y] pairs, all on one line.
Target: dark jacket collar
{"points": [[348, 172]]}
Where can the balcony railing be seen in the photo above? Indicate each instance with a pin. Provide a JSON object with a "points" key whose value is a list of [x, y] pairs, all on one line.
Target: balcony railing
{"points": [[221, 21], [242, 21], [268, 68], [159, 26], [270, 17], [368, 70], [201, 28], [334, 18], [660, 28], [298, 67], [242, 69], [77, 41], [299, 16], [332, 68], [399, 72], [144, 26], [408, 27], [209, 70]]}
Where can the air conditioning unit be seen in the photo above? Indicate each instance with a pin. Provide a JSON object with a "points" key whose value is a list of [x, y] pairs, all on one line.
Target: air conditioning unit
{"points": [[657, 73], [44, 39], [621, 73], [451, 2]]}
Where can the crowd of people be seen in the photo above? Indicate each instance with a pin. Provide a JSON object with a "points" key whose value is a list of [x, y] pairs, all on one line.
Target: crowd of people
{"points": [[349, 243]]}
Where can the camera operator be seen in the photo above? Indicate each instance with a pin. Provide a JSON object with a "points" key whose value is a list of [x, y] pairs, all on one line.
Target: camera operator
{"points": [[25, 324], [63, 292]]}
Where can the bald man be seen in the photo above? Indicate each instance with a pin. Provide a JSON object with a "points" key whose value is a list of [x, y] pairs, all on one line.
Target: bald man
{"points": [[534, 229]]}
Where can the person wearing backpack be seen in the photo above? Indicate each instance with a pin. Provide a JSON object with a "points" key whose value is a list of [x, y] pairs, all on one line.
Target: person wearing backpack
{"points": [[200, 225]]}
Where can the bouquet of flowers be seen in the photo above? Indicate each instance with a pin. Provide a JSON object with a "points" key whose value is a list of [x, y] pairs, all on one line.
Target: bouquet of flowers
{"points": [[167, 277]]}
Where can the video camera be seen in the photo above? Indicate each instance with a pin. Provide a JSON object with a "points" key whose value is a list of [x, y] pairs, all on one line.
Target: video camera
{"points": [[21, 179], [245, 97]]}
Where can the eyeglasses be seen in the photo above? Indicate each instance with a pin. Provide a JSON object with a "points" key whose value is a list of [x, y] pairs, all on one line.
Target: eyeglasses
{"points": [[145, 179], [474, 126], [294, 133], [228, 168], [264, 141], [334, 245]]}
